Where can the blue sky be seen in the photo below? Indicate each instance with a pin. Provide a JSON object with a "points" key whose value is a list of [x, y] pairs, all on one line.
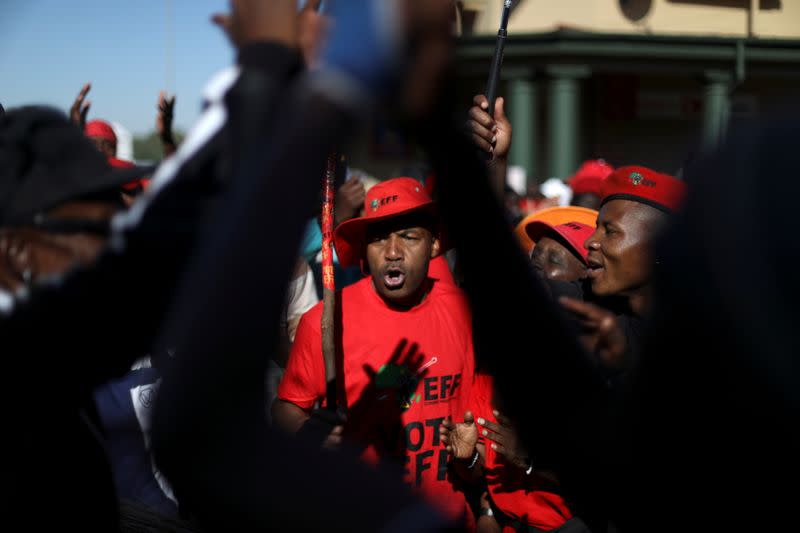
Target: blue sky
{"points": [[50, 48]]}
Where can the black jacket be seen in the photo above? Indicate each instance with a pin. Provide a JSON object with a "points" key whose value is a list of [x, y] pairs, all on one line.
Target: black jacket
{"points": [[67, 338]]}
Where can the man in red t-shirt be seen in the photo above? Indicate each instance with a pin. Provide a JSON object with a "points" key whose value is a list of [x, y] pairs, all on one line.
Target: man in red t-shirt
{"points": [[396, 398]]}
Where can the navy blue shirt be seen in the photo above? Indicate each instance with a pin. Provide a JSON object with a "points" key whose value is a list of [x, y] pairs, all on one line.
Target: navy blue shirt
{"points": [[125, 407]]}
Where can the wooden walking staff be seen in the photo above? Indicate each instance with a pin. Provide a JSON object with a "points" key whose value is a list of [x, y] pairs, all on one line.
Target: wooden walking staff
{"points": [[328, 283]]}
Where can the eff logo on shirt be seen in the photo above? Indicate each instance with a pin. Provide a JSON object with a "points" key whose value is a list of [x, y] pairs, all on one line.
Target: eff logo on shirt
{"points": [[441, 388], [435, 389]]}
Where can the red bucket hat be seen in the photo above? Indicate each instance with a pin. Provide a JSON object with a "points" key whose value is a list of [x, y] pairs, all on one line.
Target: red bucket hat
{"points": [[573, 234], [641, 184], [101, 129], [589, 177], [391, 198]]}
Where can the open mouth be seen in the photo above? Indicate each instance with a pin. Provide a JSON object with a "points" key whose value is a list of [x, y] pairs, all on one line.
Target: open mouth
{"points": [[595, 269], [394, 278]]}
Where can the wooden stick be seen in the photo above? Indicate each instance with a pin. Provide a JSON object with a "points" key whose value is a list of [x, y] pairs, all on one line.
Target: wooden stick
{"points": [[328, 284]]}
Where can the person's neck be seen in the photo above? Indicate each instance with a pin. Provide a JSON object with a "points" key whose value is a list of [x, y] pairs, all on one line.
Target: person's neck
{"points": [[640, 299], [409, 303]]}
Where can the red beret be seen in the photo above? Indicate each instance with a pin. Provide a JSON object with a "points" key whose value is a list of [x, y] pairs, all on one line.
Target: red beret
{"points": [[640, 184], [101, 129], [589, 177]]}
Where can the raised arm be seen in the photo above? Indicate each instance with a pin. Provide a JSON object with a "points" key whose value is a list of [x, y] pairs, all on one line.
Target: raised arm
{"points": [[510, 309], [166, 111]]}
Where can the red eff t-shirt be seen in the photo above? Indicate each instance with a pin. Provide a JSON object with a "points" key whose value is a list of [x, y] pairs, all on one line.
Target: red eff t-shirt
{"points": [[439, 269], [525, 498], [394, 408]]}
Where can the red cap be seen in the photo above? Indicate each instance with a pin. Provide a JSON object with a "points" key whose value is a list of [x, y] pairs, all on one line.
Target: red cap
{"points": [[133, 185], [101, 129], [573, 234], [391, 198], [120, 163], [554, 216], [589, 177], [640, 184], [430, 184]]}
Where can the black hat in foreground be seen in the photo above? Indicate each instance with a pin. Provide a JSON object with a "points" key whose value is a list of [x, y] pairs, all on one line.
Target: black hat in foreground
{"points": [[46, 161]]}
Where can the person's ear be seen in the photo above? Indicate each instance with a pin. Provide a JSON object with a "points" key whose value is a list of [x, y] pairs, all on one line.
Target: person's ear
{"points": [[436, 247]]}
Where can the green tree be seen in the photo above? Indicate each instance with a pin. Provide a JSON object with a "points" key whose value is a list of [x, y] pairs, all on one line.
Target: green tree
{"points": [[147, 148]]}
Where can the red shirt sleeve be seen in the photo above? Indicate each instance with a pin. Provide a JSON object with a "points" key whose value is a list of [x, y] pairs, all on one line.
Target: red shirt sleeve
{"points": [[303, 382], [481, 398]]}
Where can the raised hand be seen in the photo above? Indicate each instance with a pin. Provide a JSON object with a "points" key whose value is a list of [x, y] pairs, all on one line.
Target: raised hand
{"points": [[256, 20], [166, 110], [602, 335], [79, 109], [349, 200], [504, 440], [490, 134], [430, 24], [460, 439], [312, 28]]}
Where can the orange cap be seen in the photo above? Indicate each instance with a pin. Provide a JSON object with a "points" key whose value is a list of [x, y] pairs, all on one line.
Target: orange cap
{"points": [[554, 216]]}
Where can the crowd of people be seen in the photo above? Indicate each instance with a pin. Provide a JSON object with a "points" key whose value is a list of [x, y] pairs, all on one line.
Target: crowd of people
{"points": [[625, 363]]}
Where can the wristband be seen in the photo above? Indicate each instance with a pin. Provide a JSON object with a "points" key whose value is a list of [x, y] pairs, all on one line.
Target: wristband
{"points": [[486, 512], [530, 467]]}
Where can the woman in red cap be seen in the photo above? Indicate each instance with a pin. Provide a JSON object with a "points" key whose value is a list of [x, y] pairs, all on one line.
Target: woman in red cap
{"points": [[559, 253]]}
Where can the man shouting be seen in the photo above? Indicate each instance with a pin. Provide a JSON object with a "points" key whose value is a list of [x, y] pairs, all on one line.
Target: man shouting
{"points": [[404, 341]]}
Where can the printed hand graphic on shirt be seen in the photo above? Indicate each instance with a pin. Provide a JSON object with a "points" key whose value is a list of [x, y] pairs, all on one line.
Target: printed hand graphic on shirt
{"points": [[399, 378], [401, 375]]}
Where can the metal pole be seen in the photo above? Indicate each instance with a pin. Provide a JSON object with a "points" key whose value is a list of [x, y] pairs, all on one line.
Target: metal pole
{"points": [[497, 59]]}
